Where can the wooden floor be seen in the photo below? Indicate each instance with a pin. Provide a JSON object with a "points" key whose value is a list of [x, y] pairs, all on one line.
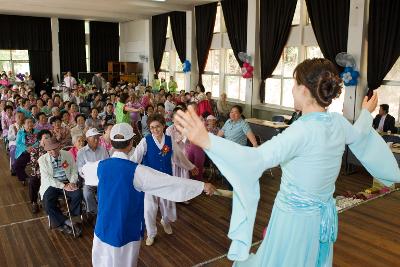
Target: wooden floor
{"points": [[369, 235]]}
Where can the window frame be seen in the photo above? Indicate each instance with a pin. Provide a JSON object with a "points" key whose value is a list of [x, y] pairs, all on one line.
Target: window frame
{"points": [[12, 61]]}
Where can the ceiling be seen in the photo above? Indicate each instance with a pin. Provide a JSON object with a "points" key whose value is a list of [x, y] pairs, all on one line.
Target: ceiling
{"points": [[101, 10]]}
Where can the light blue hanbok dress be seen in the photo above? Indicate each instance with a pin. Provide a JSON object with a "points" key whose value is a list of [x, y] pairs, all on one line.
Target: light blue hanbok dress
{"points": [[303, 224]]}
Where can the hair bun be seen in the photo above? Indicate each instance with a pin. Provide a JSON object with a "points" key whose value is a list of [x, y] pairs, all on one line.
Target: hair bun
{"points": [[328, 88]]}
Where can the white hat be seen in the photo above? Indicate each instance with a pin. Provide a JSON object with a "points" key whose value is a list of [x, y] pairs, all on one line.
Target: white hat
{"points": [[124, 129], [92, 132], [211, 117]]}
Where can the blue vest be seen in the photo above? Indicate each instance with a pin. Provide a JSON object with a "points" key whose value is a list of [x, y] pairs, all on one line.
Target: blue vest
{"points": [[120, 218], [155, 158]]}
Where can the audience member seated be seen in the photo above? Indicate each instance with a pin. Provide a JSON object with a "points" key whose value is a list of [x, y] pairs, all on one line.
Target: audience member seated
{"points": [[236, 129], [66, 120], [92, 152], [34, 177], [7, 119], [25, 108], [55, 112], [108, 116], [12, 136], [78, 142], [145, 127], [93, 121], [223, 108], [105, 140], [58, 172], [212, 127], [42, 122], [384, 122], [25, 143], [80, 128], [62, 134], [49, 105]]}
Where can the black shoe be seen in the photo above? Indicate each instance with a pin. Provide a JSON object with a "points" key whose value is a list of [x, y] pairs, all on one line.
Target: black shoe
{"points": [[78, 230], [13, 173], [65, 229], [35, 208], [23, 183]]}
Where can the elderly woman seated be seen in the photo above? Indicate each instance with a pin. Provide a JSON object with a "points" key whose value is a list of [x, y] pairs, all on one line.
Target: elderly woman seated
{"points": [[34, 179], [25, 142], [236, 129], [62, 134], [78, 142], [58, 177], [80, 128]]}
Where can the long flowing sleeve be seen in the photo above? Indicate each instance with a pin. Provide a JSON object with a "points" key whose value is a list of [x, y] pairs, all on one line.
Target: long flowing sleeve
{"points": [[371, 150], [179, 158], [166, 186], [243, 166], [139, 151]]}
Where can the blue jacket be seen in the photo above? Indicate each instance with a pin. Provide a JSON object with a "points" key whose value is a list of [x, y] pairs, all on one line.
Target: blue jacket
{"points": [[20, 142]]}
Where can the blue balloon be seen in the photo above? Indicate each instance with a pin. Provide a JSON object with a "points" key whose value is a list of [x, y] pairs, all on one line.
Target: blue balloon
{"points": [[349, 76], [186, 66]]}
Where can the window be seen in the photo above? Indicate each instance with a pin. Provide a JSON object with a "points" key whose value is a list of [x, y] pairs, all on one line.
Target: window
{"points": [[389, 91], [217, 25], [296, 17], [235, 85], [164, 69], [16, 61], [211, 72], [87, 58], [87, 51], [169, 32], [313, 52], [278, 88], [179, 75]]}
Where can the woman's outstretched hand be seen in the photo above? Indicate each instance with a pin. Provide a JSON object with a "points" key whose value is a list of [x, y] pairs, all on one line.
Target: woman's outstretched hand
{"points": [[191, 126], [371, 104]]}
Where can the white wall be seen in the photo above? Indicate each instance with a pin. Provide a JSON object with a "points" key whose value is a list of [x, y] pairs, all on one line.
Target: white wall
{"points": [[135, 42]]}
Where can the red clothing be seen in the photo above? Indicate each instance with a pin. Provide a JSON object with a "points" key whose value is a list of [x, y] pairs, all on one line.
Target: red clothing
{"points": [[204, 106]]}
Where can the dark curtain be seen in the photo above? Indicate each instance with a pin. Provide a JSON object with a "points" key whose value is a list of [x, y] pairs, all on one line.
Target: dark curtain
{"points": [[235, 15], [330, 22], [205, 20], [159, 33], [178, 27], [25, 33], [104, 44], [71, 39], [275, 22], [383, 39], [40, 67]]}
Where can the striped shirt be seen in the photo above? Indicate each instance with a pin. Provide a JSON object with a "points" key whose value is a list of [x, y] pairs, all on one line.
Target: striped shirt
{"points": [[58, 170]]}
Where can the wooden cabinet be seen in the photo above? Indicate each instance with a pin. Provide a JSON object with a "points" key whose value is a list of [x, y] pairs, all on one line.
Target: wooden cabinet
{"points": [[130, 72]]}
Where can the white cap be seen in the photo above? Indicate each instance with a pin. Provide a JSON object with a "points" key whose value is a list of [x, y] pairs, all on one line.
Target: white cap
{"points": [[211, 117], [92, 132], [124, 129]]}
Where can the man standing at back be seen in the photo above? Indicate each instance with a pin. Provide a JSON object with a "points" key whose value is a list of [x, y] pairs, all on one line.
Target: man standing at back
{"points": [[384, 122]]}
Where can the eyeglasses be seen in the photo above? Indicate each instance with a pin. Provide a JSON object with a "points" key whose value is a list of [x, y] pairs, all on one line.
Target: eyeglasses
{"points": [[155, 127]]}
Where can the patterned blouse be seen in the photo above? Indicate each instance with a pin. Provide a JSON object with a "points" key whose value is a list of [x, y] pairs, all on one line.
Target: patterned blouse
{"points": [[36, 153]]}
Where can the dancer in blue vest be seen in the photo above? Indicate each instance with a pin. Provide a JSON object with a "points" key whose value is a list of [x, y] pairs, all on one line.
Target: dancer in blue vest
{"points": [[121, 186], [156, 151]]}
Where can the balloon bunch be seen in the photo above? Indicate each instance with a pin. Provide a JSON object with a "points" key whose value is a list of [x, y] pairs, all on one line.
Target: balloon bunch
{"points": [[186, 66], [20, 76], [349, 76], [247, 69]]}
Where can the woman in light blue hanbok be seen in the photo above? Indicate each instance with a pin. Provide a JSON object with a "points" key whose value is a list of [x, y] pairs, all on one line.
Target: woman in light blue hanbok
{"points": [[303, 224]]}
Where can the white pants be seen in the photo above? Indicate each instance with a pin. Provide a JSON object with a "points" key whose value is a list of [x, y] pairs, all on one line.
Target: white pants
{"points": [[105, 255], [151, 204]]}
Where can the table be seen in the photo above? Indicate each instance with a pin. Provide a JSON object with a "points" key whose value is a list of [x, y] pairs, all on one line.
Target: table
{"points": [[352, 160], [266, 129]]}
